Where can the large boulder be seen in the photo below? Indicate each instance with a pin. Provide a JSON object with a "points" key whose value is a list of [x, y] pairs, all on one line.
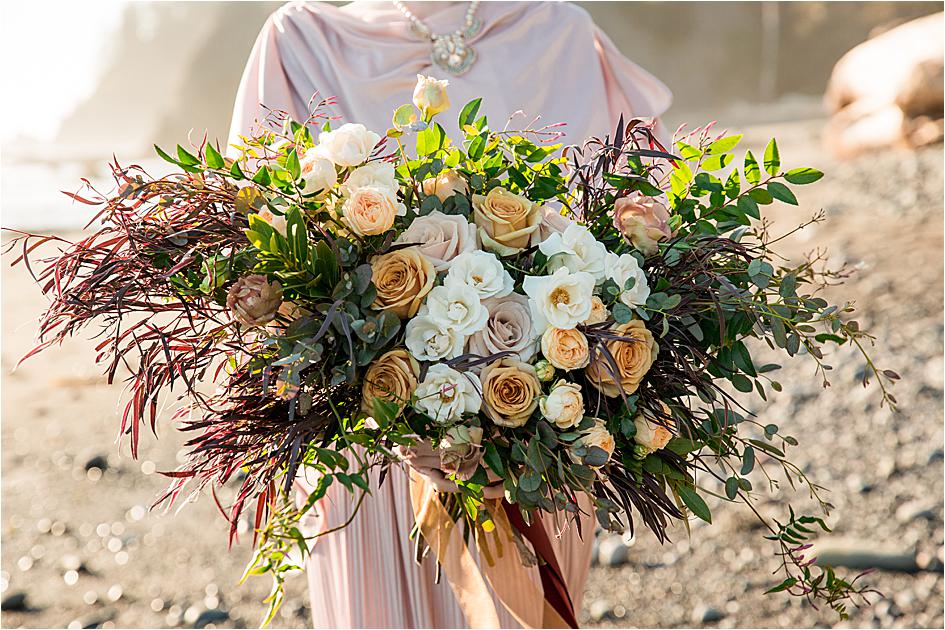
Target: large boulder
{"points": [[888, 90]]}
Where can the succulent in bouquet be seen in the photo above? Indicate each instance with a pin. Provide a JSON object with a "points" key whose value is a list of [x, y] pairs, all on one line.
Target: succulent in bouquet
{"points": [[536, 329]]}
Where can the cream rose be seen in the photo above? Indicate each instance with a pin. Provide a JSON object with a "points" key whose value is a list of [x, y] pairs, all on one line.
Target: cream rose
{"points": [[510, 391], [441, 237], [654, 434], [508, 329], [402, 278], [562, 300], [428, 340], [430, 96], [376, 174], [621, 269], [446, 395], [633, 358], [564, 405], [643, 220], [318, 173], [445, 185], [506, 221], [350, 144], [599, 312], [392, 377], [565, 348], [598, 436], [461, 451], [576, 249], [371, 210], [457, 307], [483, 272]]}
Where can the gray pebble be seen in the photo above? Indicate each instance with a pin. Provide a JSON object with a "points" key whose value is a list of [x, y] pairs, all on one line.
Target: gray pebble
{"points": [[599, 609], [706, 614], [914, 510], [863, 554], [15, 602], [612, 552]]}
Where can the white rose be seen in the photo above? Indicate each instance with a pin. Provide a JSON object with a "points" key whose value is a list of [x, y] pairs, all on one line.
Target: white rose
{"points": [[577, 249], [564, 405], [446, 395], [350, 144], [318, 173], [430, 95], [483, 272], [427, 340], [440, 237], [622, 268], [456, 306], [377, 174], [562, 300]]}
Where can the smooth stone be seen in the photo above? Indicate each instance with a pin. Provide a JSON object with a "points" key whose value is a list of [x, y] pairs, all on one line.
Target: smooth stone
{"points": [[612, 552], [863, 554], [706, 614], [599, 609], [97, 461], [199, 616], [15, 602], [914, 510]]}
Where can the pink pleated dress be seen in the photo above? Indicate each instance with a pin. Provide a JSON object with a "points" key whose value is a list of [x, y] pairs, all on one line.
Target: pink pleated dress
{"points": [[543, 58]]}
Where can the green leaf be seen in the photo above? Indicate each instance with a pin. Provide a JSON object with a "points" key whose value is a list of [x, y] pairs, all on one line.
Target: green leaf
{"points": [[733, 185], [803, 175], [748, 206], [748, 460], [772, 157], [717, 162], [782, 193], [469, 112], [752, 172], [695, 503], [622, 313], [164, 156], [236, 172], [724, 145], [742, 383], [783, 586], [731, 488], [688, 152], [493, 460], [262, 176], [292, 165], [761, 195], [214, 159], [186, 158]]}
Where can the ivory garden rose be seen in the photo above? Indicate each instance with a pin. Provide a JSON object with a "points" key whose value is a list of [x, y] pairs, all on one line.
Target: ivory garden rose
{"points": [[430, 96], [318, 173], [349, 145], [564, 405], [445, 395], [561, 300]]}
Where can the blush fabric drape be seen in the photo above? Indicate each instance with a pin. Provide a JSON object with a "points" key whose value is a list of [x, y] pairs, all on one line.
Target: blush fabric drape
{"points": [[543, 58]]}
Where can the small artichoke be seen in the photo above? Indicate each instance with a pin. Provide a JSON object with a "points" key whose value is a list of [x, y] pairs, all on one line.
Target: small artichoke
{"points": [[254, 300]]}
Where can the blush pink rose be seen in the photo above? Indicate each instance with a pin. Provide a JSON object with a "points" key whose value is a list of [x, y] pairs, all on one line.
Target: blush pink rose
{"points": [[441, 237], [643, 220]]}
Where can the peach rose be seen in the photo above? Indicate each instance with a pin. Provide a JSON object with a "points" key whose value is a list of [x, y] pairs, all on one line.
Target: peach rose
{"points": [[564, 404], [402, 278], [644, 220], [445, 185], [599, 312], [566, 349], [510, 391], [393, 377], [633, 359], [441, 237], [506, 221], [598, 436], [654, 434], [371, 210]]}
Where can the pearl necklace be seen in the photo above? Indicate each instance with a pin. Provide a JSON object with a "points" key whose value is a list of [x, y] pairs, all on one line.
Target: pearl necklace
{"points": [[450, 51]]}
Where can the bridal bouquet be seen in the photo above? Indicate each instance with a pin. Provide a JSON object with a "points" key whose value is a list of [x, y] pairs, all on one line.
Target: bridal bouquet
{"points": [[536, 329]]}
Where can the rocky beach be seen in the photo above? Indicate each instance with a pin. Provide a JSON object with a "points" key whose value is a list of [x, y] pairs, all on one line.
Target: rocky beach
{"points": [[82, 549]]}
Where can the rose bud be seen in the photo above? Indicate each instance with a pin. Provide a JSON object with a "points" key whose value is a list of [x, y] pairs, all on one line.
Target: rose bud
{"points": [[430, 96], [445, 185], [544, 370], [253, 300]]}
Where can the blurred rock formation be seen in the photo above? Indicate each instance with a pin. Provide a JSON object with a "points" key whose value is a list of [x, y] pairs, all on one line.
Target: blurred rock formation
{"points": [[888, 91]]}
